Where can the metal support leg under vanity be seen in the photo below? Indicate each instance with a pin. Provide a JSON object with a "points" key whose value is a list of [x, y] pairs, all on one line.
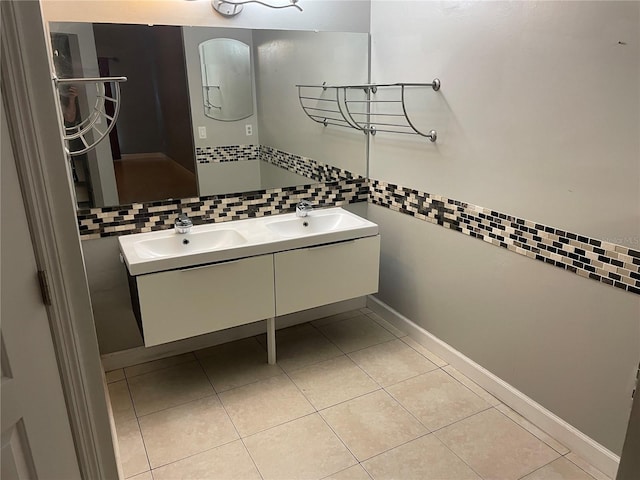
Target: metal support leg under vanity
{"points": [[271, 340]]}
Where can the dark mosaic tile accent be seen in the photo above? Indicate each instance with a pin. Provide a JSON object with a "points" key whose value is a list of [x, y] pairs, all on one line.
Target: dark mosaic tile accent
{"points": [[153, 216], [227, 153], [307, 167], [605, 262]]}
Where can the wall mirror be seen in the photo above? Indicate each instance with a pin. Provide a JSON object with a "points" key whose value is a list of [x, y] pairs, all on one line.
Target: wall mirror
{"points": [[226, 79], [166, 144]]}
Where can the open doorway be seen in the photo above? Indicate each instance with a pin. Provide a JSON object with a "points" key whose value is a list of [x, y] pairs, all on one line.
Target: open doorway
{"points": [[152, 147]]}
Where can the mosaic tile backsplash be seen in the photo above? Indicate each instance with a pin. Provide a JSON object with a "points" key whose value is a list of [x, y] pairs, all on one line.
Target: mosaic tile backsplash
{"points": [[307, 167], [598, 260], [588, 257], [227, 153], [329, 186], [147, 217]]}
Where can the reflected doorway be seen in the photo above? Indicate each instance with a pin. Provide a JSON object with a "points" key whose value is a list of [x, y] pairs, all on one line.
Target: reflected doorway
{"points": [[152, 149]]}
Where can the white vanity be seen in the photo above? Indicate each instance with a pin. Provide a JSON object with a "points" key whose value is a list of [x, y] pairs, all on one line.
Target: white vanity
{"points": [[222, 275]]}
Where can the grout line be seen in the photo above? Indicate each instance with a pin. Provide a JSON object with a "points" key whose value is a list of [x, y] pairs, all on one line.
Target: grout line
{"points": [[598, 476], [181, 404], [315, 410], [397, 446], [164, 409], [283, 423], [539, 468], [350, 399], [453, 452], [489, 407], [369, 346], [386, 325], [458, 456], [250, 383], [534, 430], [144, 444], [157, 369], [347, 355], [280, 424], [404, 379], [348, 468], [194, 454], [319, 411], [230, 420], [339, 439], [433, 358], [471, 385], [469, 389]]}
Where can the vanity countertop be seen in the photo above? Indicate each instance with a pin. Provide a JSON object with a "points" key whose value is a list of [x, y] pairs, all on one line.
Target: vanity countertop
{"points": [[215, 242]]}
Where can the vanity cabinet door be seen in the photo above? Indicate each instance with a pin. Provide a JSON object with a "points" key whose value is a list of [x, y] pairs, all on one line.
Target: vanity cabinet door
{"points": [[193, 301], [310, 277]]}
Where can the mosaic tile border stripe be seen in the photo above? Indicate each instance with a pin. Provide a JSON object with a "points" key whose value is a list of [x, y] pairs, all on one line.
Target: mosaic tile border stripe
{"points": [[153, 216], [305, 166], [227, 153], [605, 262]]}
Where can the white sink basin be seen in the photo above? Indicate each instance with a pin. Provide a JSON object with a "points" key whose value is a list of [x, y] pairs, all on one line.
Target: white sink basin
{"points": [[313, 224], [182, 244], [216, 242]]}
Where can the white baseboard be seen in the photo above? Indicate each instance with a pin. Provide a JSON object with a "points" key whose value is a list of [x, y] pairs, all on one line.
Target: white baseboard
{"points": [[584, 446], [134, 356]]}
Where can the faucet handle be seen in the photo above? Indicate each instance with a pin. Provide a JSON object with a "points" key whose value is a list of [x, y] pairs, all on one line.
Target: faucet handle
{"points": [[303, 208], [183, 223]]}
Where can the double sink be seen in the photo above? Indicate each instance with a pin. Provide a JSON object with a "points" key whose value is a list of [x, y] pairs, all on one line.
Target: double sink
{"points": [[166, 250]]}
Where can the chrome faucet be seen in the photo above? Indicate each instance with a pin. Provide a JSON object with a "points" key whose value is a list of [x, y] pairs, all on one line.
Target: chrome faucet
{"points": [[303, 208], [183, 224]]}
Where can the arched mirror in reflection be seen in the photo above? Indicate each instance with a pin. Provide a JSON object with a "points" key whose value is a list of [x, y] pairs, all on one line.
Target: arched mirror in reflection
{"points": [[226, 79]]}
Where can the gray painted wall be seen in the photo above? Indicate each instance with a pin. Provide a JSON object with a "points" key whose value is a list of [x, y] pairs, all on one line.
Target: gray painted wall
{"points": [[538, 116], [539, 111], [569, 343], [284, 59], [322, 15]]}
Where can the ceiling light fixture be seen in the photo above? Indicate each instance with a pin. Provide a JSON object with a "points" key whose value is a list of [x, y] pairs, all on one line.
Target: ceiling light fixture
{"points": [[228, 8]]}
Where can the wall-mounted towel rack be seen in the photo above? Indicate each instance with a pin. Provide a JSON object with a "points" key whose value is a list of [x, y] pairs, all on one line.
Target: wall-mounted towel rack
{"points": [[206, 90], [105, 112], [341, 105]]}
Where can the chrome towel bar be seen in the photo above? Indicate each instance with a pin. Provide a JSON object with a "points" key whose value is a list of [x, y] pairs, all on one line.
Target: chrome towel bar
{"points": [[339, 105]]}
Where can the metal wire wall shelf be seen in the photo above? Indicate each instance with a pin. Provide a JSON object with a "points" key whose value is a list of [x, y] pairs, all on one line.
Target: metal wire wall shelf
{"points": [[339, 105], [107, 93]]}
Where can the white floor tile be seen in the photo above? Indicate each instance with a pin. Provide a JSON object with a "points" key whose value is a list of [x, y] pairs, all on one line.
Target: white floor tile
{"points": [[169, 417], [302, 449]]}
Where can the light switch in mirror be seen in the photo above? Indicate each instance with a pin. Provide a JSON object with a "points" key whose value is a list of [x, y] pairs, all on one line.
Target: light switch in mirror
{"points": [[226, 79]]}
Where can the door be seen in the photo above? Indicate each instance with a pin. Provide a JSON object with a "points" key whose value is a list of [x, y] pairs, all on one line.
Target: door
{"points": [[36, 435], [630, 460]]}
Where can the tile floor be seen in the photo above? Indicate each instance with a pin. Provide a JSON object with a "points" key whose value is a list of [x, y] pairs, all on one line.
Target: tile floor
{"points": [[350, 398]]}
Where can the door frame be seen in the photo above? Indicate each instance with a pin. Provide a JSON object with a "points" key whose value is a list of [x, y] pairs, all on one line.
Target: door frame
{"points": [[33, 119]]}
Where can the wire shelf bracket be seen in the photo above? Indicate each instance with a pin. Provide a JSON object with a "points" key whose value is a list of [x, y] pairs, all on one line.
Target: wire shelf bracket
{"points": [[337, 105], [97, 116]]}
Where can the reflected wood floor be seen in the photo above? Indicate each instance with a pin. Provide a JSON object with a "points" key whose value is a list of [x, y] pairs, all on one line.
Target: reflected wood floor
{"points": [[151, 178]]}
